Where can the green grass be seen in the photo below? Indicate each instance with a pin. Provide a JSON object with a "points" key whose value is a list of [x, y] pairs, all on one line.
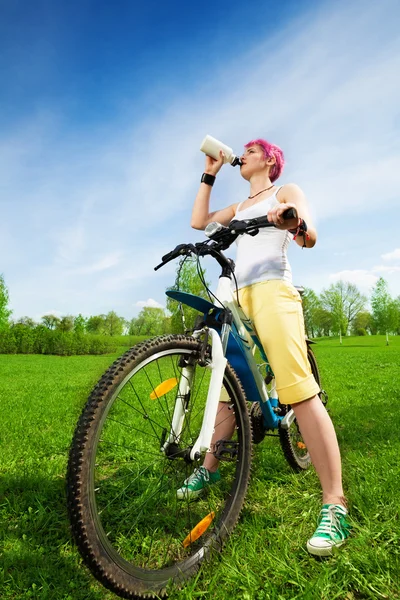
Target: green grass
{"points": [[265, 558]]}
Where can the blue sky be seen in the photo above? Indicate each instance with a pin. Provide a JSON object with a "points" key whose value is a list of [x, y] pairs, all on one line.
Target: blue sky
{"points": [[103, 109]]}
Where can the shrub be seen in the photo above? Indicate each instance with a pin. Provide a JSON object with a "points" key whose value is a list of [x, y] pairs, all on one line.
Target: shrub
{"points": [[22, 339], [8, 344], [62, 343], [42, 343], [361, 331], [82, 343], [101, 345]]}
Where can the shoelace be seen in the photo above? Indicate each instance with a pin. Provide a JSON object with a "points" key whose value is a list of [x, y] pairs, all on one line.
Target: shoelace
{"points": [[330, 523], [198, 474]]}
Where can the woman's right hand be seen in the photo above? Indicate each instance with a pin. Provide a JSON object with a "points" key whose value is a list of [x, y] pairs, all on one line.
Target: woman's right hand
{"points": [[212, 165]]}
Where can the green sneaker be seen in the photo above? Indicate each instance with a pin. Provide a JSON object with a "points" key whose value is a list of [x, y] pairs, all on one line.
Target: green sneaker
{"points": [[332, 530], [195, 485]]}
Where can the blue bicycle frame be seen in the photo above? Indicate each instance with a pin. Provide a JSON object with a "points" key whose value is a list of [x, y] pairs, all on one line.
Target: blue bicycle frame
{"points": [[239, 342]]}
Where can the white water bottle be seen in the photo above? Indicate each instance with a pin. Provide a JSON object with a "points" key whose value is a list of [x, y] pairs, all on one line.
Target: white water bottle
{"points": [[212, 147]]}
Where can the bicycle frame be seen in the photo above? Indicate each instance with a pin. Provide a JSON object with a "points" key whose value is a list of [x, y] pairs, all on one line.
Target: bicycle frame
{"points": [[235, 343]]}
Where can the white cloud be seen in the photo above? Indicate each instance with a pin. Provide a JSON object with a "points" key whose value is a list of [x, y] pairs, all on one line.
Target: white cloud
{"points": [[386, 269], [395, 255], [363, 279], [107, 262], [150, 302]]}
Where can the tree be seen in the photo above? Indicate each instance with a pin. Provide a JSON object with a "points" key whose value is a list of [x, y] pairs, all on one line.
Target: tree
{"points": [[113, 324], [150, 321], [50, 321], [27, 321], [397, 309], [384, 309], [311, 307], [5, 312], [66, 323], [79, 324], [95, 324], [187, 280], [362, 323], [343, 300], [323, 321]]}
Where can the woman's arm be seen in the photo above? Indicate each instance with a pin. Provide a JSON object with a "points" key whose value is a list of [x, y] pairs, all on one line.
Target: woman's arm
{"points": [[291, 196], [201, 215]]}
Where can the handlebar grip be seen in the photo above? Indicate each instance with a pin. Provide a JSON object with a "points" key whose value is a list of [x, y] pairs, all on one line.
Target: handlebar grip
{"points": [[290, 213], [175, 252]]}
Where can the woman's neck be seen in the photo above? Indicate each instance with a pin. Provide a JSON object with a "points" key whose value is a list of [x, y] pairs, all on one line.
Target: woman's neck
{"points": [[259, 182]]}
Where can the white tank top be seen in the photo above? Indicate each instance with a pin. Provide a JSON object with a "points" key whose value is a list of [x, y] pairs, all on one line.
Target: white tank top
{"points": [[263, 256]]}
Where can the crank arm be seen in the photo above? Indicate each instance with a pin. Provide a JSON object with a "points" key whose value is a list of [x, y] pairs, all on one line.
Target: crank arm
{"points": [[288, 419]]}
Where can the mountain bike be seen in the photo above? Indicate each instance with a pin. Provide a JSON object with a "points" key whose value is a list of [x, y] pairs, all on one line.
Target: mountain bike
{"points": [[149, 422]]}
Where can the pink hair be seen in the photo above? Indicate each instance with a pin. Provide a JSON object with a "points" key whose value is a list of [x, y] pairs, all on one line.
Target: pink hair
{"points": [[270, 150]]}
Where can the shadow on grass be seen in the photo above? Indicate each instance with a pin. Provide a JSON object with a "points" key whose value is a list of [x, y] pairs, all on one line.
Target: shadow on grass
{"points": [[38, 555], [350, 346]]}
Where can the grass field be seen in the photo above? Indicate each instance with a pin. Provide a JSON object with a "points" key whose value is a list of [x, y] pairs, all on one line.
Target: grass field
{"points": [[265, 558]]}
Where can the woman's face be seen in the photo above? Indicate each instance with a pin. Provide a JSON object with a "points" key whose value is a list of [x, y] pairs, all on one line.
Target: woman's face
{"points": [[254, 161]]}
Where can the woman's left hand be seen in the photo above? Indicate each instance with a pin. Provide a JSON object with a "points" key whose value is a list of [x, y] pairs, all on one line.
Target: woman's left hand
{"points": [[275, 216]]}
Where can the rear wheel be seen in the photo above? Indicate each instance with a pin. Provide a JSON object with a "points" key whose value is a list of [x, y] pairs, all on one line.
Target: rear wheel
{"points": [[133, 532], [292, 443]]}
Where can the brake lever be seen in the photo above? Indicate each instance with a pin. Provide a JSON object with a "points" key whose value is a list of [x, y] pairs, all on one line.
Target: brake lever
{"points": [[178, 251]]}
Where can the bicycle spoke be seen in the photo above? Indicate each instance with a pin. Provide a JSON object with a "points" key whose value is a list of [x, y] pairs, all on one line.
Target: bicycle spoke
{"points": [[144, 414], [130, 427], [161, 379], [127, 487], [130, 448], [154, 387]]}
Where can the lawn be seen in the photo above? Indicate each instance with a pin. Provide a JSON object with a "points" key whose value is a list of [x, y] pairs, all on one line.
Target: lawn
{"points": [[265, 558]]}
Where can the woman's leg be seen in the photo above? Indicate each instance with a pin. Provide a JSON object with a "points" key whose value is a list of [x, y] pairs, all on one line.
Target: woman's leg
{"points": [[208, 473], [275, 308], [224, 428], [319, 436]]}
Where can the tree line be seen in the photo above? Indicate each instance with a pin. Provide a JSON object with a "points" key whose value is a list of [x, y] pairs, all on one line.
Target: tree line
{"points": [[342, 310], [339, 310], [150, 321]]}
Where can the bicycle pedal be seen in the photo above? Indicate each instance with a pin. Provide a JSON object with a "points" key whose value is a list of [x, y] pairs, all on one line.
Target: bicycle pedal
{"points": [[324, 397], [226, 450]]}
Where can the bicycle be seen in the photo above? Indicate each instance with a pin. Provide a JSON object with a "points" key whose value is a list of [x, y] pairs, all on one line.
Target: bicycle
{"points": [[149, 422]]}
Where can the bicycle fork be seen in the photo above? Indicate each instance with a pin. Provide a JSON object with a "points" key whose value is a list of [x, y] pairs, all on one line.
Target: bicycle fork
{"points": [[217, 365]]}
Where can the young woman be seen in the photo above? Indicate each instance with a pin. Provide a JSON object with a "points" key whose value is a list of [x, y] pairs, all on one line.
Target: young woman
{"points": [[269, 299]]}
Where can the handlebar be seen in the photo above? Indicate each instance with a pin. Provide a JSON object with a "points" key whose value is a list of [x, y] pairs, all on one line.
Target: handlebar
{"points": [[221, 237]]}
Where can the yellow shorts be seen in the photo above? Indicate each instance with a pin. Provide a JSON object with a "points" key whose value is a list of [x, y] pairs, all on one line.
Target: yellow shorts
{"points": [[275, 309]]}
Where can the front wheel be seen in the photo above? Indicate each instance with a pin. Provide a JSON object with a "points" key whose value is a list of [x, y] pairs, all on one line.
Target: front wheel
{"points": [[291, 440], [125, 468]]}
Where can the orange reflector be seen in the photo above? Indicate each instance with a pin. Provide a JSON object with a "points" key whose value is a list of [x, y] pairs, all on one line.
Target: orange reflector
{"points": [[164, 387], [301, 445], [199, 529]]}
